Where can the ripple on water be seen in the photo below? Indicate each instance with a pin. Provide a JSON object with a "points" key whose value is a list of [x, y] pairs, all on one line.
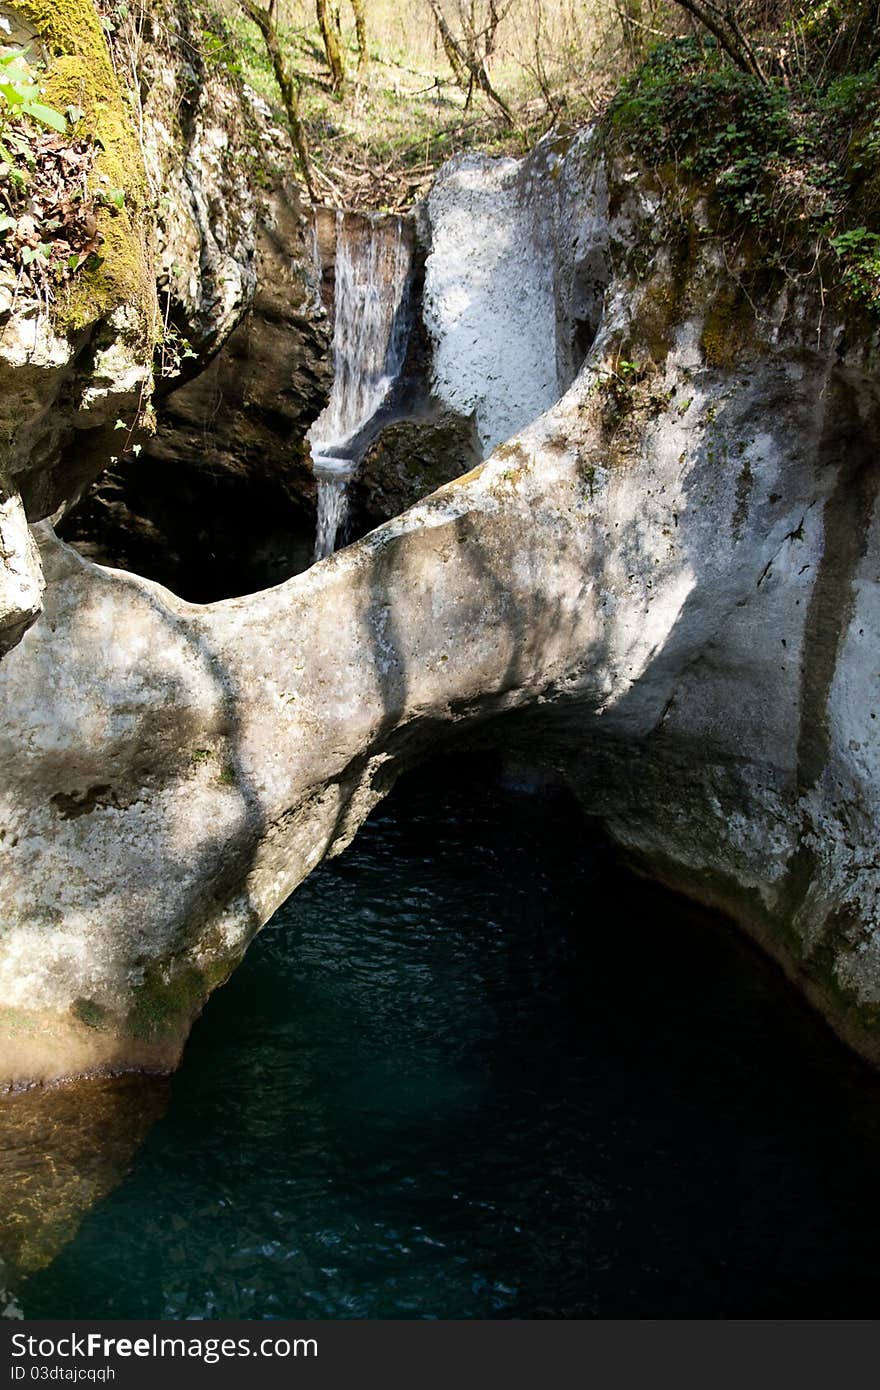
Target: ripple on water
{"points": [[470, 1069]]}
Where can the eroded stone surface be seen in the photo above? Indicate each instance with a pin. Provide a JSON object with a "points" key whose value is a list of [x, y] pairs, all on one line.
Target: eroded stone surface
{"points": [[488, 300], [21, 578], [666, 586]]}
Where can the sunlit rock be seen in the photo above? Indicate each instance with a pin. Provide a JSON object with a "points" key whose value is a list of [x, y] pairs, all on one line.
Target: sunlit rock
{"points": [[665, 587]]}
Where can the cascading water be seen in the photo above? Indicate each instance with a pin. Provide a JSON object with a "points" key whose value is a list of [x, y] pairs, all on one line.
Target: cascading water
{"points": [[332, 504], [369, 344]]}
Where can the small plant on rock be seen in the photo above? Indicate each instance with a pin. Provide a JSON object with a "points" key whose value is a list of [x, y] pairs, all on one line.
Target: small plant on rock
{"points": [[20, 104], [48, 227]]}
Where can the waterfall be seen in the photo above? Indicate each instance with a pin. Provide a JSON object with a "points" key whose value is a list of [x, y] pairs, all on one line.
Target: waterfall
{"points": [[369, 345], [332, 506]]}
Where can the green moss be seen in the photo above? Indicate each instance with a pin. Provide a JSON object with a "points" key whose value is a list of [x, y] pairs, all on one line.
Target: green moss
{"points": [[90, 1012], [658, 314], [165, 1001], [80, 73], [169, 997], [729, 328]]}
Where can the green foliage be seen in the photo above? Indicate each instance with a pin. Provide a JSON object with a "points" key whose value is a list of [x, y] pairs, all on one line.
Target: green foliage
{"points": [[233, 43], [794, 164], [844, 94], [46, 227], [628, 371], [377, 143], [173, 350], [865, 148], [859, 252], [843, 34], [20, 104], [615, 385], [721, 125]]}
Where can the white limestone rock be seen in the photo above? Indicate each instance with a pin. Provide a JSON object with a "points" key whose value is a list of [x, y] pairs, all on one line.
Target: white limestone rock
{"points": [[666, 584]]}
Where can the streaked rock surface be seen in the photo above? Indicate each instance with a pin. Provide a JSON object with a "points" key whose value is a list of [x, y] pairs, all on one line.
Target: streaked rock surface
{"points": [[665, 587]]}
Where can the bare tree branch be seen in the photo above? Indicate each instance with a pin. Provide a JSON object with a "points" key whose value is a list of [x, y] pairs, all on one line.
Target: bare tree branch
{"points": [[288, 86], [724, 25], [468, 64]]}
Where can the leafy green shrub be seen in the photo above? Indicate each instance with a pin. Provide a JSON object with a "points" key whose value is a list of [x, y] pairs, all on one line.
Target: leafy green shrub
{"points": [[685, 105], [48, 229], [798, 164], [859, 252], [20, 104]]}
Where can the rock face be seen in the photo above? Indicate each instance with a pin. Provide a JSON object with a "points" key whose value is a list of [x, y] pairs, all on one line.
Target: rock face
{"points": [[666, 586], [244, 368], [206, 212], [221, 500], [66, 376], [411, 458], [489, 300], [197, 145], [21, 578]]}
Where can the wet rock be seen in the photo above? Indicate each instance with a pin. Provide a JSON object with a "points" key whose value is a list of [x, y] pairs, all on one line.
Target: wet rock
{"points": [[410, 459], [63, 1151], [221, 500]]}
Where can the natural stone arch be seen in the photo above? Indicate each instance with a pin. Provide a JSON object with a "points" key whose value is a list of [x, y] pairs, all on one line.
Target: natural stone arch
{"points": [[647, 574]]}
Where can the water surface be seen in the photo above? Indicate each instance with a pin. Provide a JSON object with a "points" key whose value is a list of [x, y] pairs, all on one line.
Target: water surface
{"points": [[473, 1070]]}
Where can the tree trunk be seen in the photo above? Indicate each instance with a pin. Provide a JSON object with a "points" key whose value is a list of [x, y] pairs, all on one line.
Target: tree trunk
{"points": [[469, 68], [332, 46], [287, 86], [360, 27], [725, 26], [450, 47]]}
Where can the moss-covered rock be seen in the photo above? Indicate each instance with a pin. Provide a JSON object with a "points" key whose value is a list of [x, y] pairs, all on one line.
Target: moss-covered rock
{"points": [[80, 74], [410, 459], [789, 171], [71, 367]]}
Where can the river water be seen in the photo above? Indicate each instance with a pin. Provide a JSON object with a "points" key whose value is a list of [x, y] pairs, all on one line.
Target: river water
{"points": [[471, 1069]]}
